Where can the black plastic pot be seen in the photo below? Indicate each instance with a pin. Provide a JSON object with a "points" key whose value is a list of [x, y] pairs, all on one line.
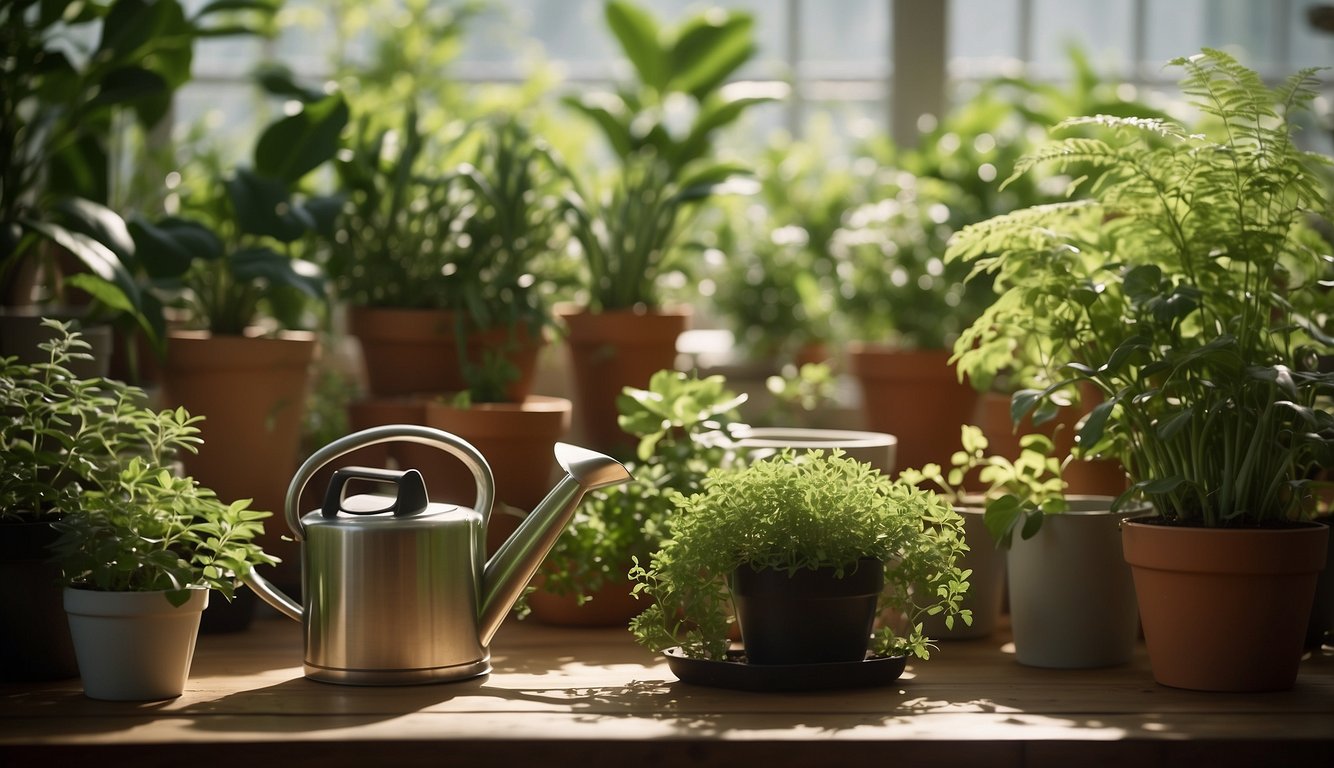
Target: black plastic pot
{"points": [[806, 617], [35, 642]]}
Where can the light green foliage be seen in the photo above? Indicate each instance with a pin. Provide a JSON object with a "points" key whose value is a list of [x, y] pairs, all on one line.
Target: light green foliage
{"points": [[152, 530], [1186, 291], [800, 392], [792, 513], [897, 287], [1016, 494], [63, 435], [776, 283], [683, 424], [662, 129], [89, 456]]}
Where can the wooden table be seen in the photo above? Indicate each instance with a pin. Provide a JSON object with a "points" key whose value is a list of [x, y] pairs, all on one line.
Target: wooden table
{"points": [[578, 696]]}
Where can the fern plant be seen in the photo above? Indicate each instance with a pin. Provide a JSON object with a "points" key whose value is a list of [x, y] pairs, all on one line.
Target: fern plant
{"points": [[1186, 290]]}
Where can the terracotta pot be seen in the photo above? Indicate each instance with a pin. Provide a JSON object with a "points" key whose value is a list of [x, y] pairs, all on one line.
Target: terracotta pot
{"points": [[1224, 609], [518, 440], [610, 351], [251, 392], [610, 606], [1094, 477], [916, 396], [407, 351]]}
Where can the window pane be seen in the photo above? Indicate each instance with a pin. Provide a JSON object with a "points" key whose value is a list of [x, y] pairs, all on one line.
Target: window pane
{"points": [[844, 38], [1182, 27], [1100, 28], [983, 36]]}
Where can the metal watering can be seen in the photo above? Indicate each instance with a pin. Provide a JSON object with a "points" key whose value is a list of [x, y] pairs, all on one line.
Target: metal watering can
{"points": [[398, 590]]}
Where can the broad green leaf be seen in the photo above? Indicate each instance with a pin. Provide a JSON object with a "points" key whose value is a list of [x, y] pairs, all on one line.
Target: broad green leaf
{"points": [[300, 143], [707, 51], [1090, 432], [640, 39]]}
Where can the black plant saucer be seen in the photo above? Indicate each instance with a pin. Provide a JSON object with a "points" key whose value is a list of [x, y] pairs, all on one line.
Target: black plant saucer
{"points": [[737, 674]]}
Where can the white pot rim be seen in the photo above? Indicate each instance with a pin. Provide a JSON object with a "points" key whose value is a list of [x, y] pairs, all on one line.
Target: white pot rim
{"points": [[803, 437], [92, 602]]}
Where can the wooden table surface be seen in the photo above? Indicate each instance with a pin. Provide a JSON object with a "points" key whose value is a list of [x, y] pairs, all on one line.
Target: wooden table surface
{"points": [[569, 696]]}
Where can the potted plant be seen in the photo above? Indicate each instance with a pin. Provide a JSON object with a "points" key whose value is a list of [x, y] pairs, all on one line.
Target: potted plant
{"points": [[72, 449], [809, 550], [628, 232], [1071, 597], [231, 265], [682, 425], [495, 278], [78, 71], [1185, 291], [140, 556], [59, 434], [902, 307], [775, 287]]}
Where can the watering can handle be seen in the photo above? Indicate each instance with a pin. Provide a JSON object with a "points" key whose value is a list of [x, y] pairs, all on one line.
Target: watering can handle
{"points": [[408, 433]]}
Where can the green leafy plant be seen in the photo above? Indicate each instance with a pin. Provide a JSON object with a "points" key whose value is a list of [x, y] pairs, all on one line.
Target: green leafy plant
{"points": [[515, 266], [1015, 494], [1186, 291], [64, 436], [682, 424], [776, 283], [799, 393], [234, 253], [791, 514], [401, 222], [628, 230], [152, 530], [898, 289], [71, 71], [88, 456]]}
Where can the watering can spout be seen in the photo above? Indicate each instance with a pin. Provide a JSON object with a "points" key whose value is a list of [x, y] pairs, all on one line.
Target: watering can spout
{"points": [[509, 570]]}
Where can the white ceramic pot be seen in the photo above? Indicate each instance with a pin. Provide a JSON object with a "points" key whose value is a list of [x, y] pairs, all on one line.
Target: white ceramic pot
{"points": [[133, 646], [875, 448], [1072, 598]]}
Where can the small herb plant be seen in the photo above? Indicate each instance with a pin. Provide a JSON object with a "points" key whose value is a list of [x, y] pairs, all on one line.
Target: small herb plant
{"points": [[789, 514], [682, 424], [63, 435], [1186, 291], [1015, 494], [151, 530], [88, 456]]}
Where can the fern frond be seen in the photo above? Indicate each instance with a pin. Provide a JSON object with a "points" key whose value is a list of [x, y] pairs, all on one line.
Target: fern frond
{"points": [[1066, 153], [1166, 129]]}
